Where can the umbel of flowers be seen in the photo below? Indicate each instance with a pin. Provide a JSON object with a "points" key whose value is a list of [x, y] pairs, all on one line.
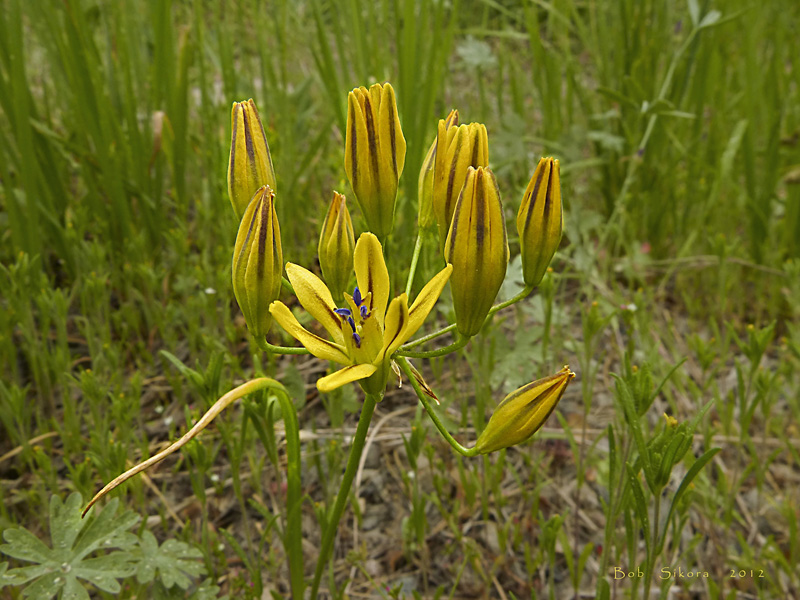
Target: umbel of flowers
{"points": [[368, 330]]}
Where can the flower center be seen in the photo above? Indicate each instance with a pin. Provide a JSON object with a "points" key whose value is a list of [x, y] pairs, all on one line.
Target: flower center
{"points": [[356, 314]]}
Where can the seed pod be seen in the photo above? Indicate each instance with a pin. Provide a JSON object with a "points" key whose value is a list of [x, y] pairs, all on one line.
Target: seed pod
{"points": [[375, 153], [336, 244], [426, 218], [250, 164], [540, 221], [523, 412], [457, 149], [477, 247], [258, 261]]}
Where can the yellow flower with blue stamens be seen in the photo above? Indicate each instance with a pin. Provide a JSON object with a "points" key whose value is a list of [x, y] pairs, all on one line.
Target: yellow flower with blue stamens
{"points": [[365, 334]]}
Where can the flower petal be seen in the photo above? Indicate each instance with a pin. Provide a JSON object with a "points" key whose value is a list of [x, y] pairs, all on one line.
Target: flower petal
{"points": [[396, 323], [371, 273], [316, 298], [423, 303], [343, 376], [316, 345]]}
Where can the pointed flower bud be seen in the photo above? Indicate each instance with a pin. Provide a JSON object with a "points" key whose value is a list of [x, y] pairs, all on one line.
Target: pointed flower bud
{"points": [[523, 412], [258, 261], [336, 245], [477, 247], [375, 153], [250, 164], [457, 149], [426, 218], [540, 221]]}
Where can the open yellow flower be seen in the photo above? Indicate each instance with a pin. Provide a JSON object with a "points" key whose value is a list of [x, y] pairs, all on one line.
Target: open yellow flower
{"points": [[365, 334]]}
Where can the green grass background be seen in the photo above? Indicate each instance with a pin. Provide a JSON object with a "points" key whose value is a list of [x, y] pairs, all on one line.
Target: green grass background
{"points": [[677, 125]]}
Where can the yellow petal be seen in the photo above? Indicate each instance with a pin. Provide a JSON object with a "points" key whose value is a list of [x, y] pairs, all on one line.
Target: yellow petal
{"points": [[316, 298], [392, 142], [343, 376], [396, 322], [425, 300], [371, 273], [316, 345]]}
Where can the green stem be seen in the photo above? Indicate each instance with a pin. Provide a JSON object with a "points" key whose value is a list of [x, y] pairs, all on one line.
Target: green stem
{"points": [[335, 515], [293, 534], [461, 341], [286, 285], [523, 294], [427, 338], [267, 347], [414, 260], [423, 397]]}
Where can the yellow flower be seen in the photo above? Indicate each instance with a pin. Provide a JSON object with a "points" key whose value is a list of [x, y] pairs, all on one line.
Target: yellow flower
{"points": [[523, 412], [375, 153], [457, 149], [366, 334], [250, 164], [257, 261], [540, 221], [477, 247]]}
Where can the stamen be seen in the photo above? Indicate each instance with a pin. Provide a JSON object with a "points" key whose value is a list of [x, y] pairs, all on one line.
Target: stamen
{"points": [[364, 312], [357, 340], [357, 296], [352, 323], [343, 312]]}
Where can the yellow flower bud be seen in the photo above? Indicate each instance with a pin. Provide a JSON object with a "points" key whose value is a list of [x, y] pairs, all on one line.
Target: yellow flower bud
{"points": [[250, 164], [457, 149], [336, 245], [540, 221], [523, 412], [258, 261], [375, 153], [477, 247], [426, 218]]}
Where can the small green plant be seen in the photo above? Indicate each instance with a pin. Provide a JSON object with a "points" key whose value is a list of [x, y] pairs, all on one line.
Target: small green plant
{"points": [[100, 551], [369, 334]]}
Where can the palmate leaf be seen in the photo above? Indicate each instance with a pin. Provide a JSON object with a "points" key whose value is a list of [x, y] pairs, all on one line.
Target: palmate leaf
{"points": [[61, 567], [174, 562]]}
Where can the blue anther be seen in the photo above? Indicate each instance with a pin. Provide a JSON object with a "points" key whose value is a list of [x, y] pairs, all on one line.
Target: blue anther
{"points": [[343, 312], [364, 312], [352, 323], [357, 296], [357, 340]]}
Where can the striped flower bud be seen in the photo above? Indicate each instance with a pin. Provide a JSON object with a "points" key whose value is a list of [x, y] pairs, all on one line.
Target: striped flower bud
{"points": [[477, 247], [523, 412], [426, 219], [250, 164], [375, 153], [540, 221], [258, 261], [457, 149], [336, 245]]}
